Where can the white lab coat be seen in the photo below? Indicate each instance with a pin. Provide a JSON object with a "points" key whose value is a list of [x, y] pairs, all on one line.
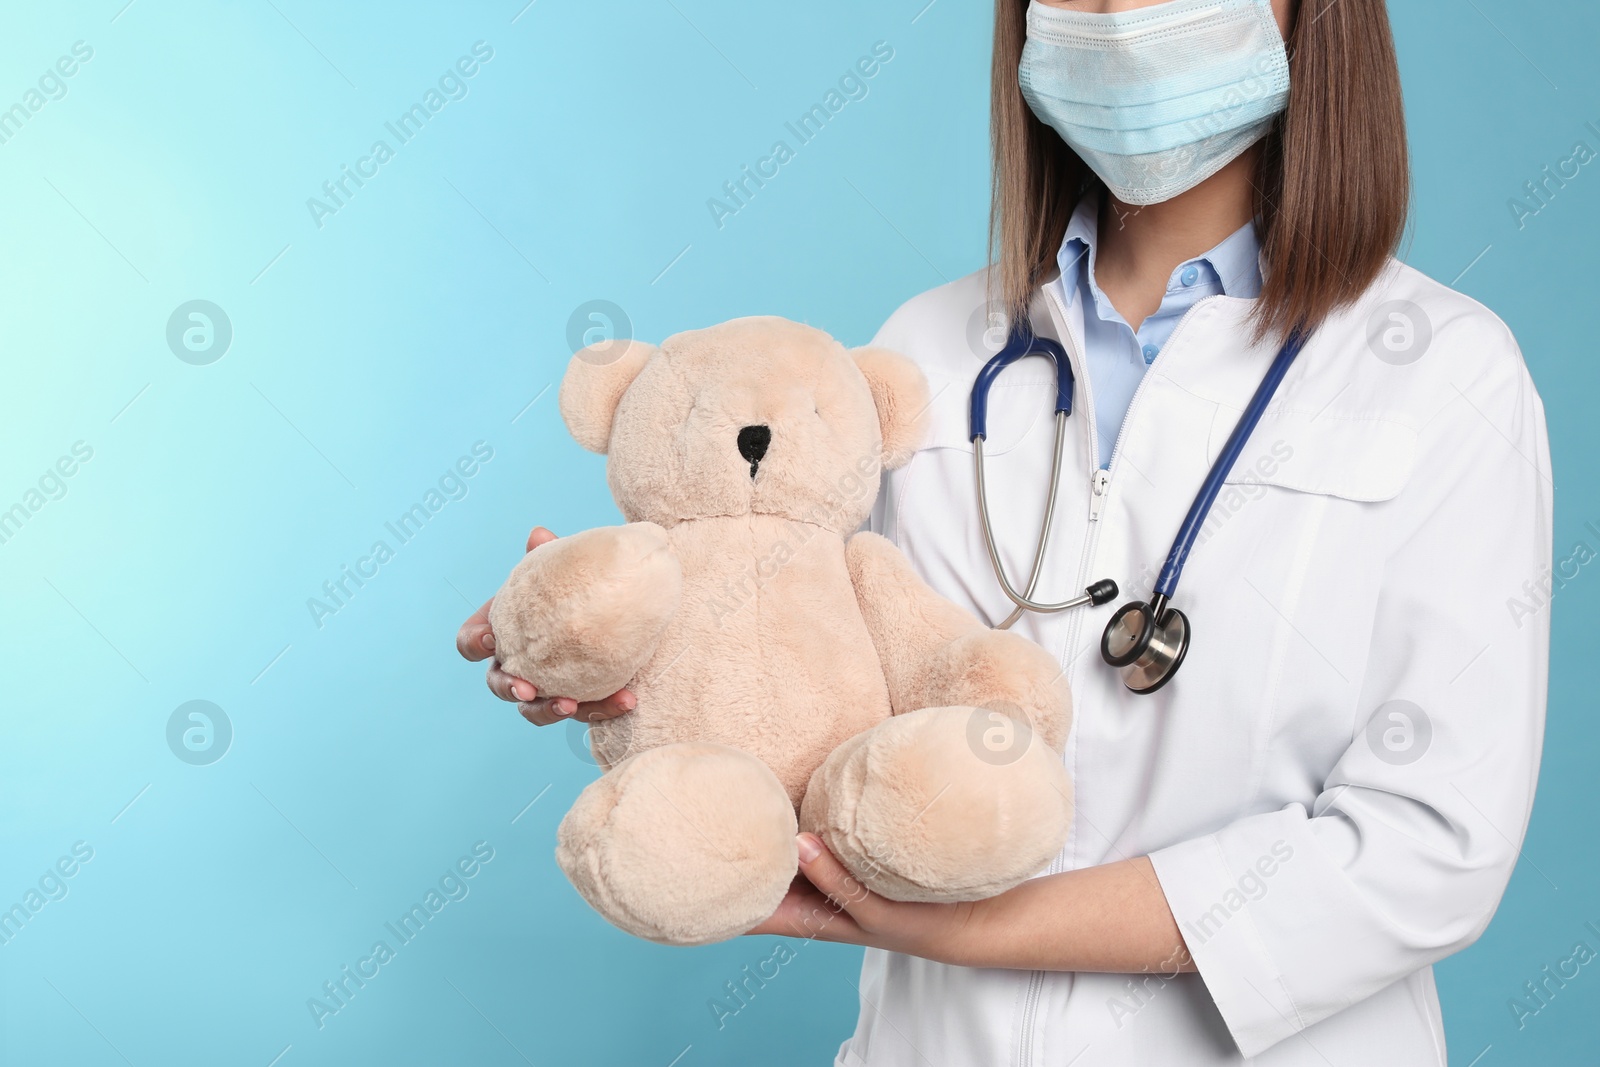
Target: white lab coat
{"points": [[1384, 537]]}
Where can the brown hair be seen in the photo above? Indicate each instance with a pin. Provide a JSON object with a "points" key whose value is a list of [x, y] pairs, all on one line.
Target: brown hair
{"points": [[1332, 186]]}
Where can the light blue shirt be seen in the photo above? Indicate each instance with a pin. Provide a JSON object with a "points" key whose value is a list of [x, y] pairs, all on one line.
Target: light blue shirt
{"points": [[1115, 354]]}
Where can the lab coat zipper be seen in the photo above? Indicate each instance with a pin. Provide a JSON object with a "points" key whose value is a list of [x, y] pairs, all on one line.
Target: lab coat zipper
{"points": [[1097, 493], [1085, 406], [1100, 481], [1100, 484], [1100, 488]]}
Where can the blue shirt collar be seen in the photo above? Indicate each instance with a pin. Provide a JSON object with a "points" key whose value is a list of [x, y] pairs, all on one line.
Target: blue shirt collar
{"points": [[1233, 266]]}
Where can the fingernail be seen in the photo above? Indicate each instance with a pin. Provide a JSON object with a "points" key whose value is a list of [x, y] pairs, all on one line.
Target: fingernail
{"points": [[487, 641], [810, 848], [627, 703], [522, 691], [563, 708]]}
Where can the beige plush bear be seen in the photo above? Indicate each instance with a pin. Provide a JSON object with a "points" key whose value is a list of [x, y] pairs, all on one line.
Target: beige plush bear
{"points": [[782, 661]]}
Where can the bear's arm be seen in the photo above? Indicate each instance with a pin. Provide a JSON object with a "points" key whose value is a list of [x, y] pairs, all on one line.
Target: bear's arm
{"points": [[581, 615], [937, 654], [908, 621]]}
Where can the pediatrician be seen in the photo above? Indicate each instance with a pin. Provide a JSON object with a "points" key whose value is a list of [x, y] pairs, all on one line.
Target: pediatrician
{"points": [[1271, 847]]}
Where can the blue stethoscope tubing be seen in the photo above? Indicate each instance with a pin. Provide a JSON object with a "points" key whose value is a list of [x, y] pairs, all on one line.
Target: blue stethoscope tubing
{"points": [[1023, 343], [1146, 642]]}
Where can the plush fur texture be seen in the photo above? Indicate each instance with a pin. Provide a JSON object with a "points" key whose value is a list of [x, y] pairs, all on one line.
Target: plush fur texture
{"points": [[590, 610], [685, 831], [782, 665]]}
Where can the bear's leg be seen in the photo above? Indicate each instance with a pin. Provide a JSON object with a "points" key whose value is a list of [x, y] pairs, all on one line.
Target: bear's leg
{"points": [[941, 804], [684, 844]]}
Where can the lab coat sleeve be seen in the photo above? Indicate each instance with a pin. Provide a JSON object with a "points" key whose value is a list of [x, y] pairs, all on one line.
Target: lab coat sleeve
{"points": [[1294, 914]]}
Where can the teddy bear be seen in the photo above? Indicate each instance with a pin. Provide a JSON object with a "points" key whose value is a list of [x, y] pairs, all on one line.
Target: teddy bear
{"points": [[790, 671]]}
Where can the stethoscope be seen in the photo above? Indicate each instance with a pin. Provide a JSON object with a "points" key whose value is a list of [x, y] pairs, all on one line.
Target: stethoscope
{"points": [[1146, 642]]}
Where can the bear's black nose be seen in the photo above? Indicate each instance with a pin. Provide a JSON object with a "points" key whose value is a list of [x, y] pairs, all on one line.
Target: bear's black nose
{"points": [[753, 442]]}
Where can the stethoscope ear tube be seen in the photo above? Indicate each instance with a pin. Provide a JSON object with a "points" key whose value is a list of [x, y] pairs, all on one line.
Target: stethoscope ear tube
{"points": [[1023, 343], [1019, 344]]}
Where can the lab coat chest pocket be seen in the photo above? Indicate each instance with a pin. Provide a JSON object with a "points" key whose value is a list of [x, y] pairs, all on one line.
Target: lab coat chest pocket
{"points": [[1294, 551], [1367, 458], [1017, 401]]}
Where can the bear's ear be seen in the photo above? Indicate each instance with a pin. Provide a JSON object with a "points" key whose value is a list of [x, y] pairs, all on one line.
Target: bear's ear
{"points": [[593, 387], [901, 394]]}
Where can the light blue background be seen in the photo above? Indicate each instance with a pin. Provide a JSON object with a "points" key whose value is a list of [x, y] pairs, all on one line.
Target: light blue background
{"points": [[429, 313]]}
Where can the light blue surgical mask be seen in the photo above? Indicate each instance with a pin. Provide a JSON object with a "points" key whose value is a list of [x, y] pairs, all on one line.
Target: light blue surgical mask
{"points": [[1158, 99]]}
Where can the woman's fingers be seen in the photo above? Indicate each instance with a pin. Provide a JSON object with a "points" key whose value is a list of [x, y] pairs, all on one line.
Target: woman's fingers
{"points": [[539, 712], [806, 913], [548, 710], [619, 703], [834, 882], [475, 640], [561, 709], [507, 687], [942, 932]]}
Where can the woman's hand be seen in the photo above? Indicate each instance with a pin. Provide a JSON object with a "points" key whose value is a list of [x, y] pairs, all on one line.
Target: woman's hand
{"points": [[828, 904], [475, 641], [1111, 918]]}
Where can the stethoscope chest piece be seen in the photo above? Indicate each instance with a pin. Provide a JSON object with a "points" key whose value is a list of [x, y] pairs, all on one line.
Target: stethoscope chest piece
{"points": [[1146, 643]]}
